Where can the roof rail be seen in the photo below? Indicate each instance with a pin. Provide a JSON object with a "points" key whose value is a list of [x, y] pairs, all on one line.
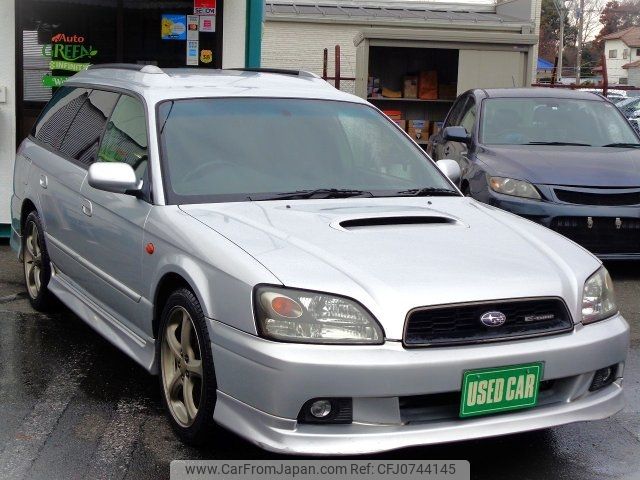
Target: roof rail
{"points": [[127, 66], [281, 71]]}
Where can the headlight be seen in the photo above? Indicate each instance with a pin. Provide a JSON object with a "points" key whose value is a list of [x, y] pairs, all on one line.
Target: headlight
{"points": [[510, 186], [598, 299], [310, 317]]}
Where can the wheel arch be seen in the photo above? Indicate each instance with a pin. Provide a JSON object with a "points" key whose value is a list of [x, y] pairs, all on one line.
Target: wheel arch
{"points": [[169, 282], [26, 208]]}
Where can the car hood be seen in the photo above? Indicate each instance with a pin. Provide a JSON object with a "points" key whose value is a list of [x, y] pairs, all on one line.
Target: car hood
{"points": [[565, 165], [453, 250]]}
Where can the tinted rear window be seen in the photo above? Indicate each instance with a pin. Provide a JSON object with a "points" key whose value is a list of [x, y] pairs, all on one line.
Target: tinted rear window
{"points": [[55, 119]]}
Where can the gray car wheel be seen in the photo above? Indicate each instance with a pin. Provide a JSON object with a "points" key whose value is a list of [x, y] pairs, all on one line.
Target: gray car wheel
{"points": [[187, 376]]}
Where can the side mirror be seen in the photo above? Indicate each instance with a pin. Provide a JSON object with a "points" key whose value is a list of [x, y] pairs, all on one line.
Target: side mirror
{"points": [[115, 177], [456, 134], [451, 169]]}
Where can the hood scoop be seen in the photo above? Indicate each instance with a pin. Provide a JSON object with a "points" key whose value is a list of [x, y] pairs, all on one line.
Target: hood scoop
{"points": [[394, 221]]}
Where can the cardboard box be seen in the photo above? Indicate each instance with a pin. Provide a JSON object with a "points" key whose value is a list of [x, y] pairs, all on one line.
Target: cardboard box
{"points": [[447, 91], [418, 130], [437, 126], [402, 124], [393, 114], [428, 85], [410, 86]]}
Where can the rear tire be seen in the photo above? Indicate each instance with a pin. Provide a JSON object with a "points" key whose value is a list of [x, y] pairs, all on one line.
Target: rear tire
{"points": [[36, 264], [187, 377]]}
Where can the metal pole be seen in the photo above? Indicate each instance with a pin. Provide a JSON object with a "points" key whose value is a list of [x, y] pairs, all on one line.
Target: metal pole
{"points": [[560, 47], [580, 30], [325, 61], [337, 74], [561, 8], [605, 76]]}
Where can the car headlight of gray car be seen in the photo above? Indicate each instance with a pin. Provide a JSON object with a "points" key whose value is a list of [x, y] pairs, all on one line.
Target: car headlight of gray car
{"points": [[598, 298], [301, 316], [516, 188]]}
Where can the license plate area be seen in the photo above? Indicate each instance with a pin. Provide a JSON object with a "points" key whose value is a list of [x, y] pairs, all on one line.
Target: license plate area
{"points": [[500, 389]]}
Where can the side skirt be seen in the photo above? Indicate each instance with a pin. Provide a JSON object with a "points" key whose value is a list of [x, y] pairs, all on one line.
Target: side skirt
{"points": [[140, 349]]}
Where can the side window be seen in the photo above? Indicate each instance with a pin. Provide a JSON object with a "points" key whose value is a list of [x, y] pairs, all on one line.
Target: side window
{"points": [[125, 139], [83, 136], [455, 114], [469, 116], [55, 119]]}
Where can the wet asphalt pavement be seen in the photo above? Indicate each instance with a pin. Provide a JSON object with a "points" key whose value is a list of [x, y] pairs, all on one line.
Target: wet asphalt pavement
{"points": [[74, 407]]}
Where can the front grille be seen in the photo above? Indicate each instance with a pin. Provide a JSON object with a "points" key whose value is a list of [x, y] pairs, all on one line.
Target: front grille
{"points": [[591, 198], [601, 235], [460, 324]]}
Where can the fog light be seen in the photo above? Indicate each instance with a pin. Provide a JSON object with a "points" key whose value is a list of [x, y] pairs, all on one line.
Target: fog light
{"points": [[320, 408], [327, 410], [603, 377]]}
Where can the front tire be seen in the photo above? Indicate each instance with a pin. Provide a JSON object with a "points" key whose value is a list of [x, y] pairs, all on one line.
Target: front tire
{"points": [[187, 376], [36, 263]]}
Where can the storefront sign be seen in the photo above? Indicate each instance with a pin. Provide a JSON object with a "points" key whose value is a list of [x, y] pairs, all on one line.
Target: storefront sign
{"points": [[207, 23], [174, 27], [65, 51], [192, 52], [192, 27], [53, 81], [68, 66], [204, 7]]}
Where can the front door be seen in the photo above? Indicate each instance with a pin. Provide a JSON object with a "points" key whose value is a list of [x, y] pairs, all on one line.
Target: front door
{"points": [[116, 221]]}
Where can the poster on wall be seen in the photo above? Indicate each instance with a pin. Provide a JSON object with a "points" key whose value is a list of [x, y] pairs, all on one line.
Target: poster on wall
{"points": [[207, 23], [174, 27], [192, 52], [204, 7], [192, 27]]}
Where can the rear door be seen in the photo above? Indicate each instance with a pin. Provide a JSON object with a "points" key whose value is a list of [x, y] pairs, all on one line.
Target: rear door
{"points": [[56, 178]]}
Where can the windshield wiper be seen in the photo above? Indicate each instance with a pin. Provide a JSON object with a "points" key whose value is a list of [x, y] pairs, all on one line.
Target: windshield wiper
{"points": [[622, 145], [560, 143], [429, 192], [319, 193]]}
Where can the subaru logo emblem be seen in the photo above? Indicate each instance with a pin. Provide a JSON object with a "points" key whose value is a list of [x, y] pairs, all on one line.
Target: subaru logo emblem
{"points": [[493, 319]]}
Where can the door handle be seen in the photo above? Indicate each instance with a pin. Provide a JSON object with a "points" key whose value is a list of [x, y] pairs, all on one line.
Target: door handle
{"points": [[44, 181], [87, 208]]}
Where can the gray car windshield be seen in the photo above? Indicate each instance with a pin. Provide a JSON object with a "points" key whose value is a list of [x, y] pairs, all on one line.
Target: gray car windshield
{"points": [[237, 149], [554, 121]]}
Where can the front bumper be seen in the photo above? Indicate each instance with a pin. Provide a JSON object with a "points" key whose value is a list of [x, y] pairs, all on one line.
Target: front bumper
{"points": [[263, 384], [548, 213]]}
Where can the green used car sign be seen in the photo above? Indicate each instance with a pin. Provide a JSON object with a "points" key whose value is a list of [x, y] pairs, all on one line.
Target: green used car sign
{"points": [[493, 390]]}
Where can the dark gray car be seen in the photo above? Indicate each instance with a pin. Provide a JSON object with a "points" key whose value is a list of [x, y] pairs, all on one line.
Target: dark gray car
{"points": [[566, 159]]}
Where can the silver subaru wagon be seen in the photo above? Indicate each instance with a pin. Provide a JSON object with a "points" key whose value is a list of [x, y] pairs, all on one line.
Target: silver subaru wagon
{"points": [[296, 269]]}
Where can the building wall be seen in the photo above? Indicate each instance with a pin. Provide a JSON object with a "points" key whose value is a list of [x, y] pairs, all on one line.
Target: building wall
{"points": [[7, 108], [614, 65], [634, 76], [234, 34], [300, 45]]}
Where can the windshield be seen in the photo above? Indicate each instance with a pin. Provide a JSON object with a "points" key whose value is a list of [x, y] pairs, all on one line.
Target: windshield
{"points": [[237, 149], [525, 121]]}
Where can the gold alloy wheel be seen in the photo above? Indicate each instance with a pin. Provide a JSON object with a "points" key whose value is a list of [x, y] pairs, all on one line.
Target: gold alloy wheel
{"points": [[32, 259], [181, 364]]}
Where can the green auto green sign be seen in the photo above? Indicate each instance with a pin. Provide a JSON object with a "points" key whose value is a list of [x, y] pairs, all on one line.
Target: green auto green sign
{"points": [[68, 53]]}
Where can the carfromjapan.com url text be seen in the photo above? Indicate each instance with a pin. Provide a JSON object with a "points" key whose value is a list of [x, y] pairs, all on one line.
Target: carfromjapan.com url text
{"points": [[319, 469]]}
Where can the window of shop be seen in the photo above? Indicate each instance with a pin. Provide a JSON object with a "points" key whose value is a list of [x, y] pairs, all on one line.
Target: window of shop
{"points": [[57, 38]]}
